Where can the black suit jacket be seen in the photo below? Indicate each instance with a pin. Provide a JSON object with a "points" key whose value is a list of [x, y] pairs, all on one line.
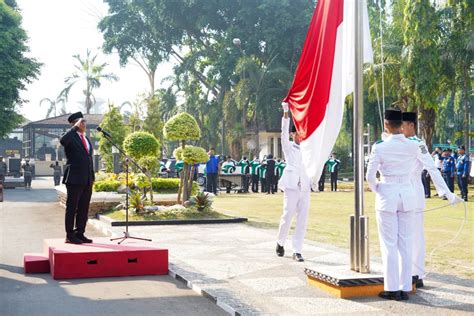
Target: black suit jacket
{"points": [[270, 168], [79, 167]]}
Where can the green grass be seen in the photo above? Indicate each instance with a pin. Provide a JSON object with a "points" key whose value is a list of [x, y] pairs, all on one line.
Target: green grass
{"points": [[119, 215], [329, 223]]}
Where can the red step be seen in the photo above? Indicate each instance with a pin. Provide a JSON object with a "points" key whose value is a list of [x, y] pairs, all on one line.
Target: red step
{"points": [[104, 258], [35, 263]]}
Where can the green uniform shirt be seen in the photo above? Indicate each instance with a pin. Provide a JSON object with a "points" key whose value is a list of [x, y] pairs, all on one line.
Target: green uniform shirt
{"points": [[280, 167], [253, 167], [333, 165], [262, 170], [179, 166], [243, 164]]}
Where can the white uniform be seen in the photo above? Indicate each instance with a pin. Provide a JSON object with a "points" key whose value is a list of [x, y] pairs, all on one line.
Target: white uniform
{"points": [[297, 188], [395, 203], [419, 250]]}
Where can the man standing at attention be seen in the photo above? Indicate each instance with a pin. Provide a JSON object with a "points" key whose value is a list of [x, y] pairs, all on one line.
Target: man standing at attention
{"points": [[212, 168], [409, 127], [395, 159], [448, 170], [78, 178], [462, 167], [333, 166], [296, 186], [254, 171]]}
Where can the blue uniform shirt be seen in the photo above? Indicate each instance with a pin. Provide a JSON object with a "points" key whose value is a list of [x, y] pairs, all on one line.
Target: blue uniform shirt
{"points": [[462, 165], [448, 165], [212, 165]]}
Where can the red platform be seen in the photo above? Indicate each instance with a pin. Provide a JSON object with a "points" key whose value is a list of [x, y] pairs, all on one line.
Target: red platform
{"points": [[102, 258], [36, 263]]}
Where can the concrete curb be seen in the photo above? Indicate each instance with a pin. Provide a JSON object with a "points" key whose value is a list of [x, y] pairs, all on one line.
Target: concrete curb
{"points": [[196, 288], [108, 221]]}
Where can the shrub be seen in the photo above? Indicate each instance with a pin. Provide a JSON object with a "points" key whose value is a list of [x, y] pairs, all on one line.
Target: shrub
{"points": [[167, 185], [180, 127], [107, 185], [141, 144], [201, 201], [193, 155], [151, 164]]}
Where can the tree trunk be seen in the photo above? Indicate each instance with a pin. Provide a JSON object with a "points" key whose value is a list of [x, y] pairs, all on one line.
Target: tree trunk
{"points": [[427, 120], [190, 183], [182, 176], [184, 183], [466, 109]]}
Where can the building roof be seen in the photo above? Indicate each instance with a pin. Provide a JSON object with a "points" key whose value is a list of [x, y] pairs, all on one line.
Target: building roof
{"points": [[92, 120]]}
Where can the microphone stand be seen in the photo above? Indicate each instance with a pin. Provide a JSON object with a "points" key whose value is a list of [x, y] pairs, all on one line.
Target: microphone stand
{"points": [[128, 159]]}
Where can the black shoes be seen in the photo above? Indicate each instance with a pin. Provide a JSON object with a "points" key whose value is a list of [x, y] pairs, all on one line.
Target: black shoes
{"points": [[419, 283], [280, 250], [83, 238], [394, 295], [404, 295], [298, 257], [391, 295], [73, 239]]}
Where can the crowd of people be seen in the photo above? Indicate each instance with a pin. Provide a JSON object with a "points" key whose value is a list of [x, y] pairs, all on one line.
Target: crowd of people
{"points": [[259, 176], [454, 166]]}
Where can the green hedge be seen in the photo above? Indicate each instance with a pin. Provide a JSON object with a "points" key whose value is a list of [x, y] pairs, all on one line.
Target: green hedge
{"points": [[160, 185]]}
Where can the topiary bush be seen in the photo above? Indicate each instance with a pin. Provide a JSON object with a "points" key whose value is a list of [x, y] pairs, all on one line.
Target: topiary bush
{"points": [[182, 127], [177, 153], [141, 144], [194, 155], [151, 163]]}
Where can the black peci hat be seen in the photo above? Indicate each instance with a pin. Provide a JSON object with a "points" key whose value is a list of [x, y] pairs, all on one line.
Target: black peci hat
{"points": [[409, 117], [393, 115], [462, 147], [75, 116]]}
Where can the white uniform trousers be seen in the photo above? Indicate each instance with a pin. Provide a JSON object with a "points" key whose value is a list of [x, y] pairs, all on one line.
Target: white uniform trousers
{"points": [[395, 234], [419, 250], [295, 202]]}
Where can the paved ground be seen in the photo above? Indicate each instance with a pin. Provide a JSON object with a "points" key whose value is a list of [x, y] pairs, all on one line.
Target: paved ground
{"points": [[26, 218], [236, 264]]}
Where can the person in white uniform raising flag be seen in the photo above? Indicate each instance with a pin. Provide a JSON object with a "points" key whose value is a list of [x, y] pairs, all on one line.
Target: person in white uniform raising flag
{"points": [[296, 186]]}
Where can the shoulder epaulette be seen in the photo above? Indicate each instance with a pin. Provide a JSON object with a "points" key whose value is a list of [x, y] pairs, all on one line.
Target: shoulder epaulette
{"points": [[415, 139], [379, 141]]}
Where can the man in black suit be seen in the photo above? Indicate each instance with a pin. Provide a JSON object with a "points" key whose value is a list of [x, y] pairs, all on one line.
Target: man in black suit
{"points": [[78, 178], [270, 174]]}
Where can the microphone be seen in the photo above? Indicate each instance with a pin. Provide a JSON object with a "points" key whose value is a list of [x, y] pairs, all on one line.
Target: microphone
{"points": [[106, 134]]}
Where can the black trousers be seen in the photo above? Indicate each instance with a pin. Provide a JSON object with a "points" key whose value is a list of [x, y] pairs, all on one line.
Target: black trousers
{"points": [[211, 182], [425, 179], [77, 207], [333, 181], [321, 182], [449, 181], [263, 182], [462, 184], [246, 183], [255, 183], [270, 179]]}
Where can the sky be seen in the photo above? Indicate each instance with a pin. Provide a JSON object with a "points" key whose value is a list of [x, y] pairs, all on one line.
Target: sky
{"points": [[59, 29]]}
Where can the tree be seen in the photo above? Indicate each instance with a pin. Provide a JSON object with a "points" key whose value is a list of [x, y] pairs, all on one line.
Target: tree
{"points": [[114, 124], [141, 144], [182, 128], [53, 105], [89, 72], [16, 70]]}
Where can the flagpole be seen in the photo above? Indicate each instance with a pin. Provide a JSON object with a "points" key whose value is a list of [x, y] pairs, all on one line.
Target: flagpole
{"points": [[359, 223]]}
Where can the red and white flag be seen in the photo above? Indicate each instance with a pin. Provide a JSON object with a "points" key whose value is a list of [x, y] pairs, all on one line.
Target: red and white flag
{"points": [[323, 79]]}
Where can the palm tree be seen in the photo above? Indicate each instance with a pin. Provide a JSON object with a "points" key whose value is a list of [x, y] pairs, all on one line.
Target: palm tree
{"points": [[53, 105], [91, 73]]}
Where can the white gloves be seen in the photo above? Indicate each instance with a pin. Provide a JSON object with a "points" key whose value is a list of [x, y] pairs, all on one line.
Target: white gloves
{"points": [[284, 106], [454, 199]]}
